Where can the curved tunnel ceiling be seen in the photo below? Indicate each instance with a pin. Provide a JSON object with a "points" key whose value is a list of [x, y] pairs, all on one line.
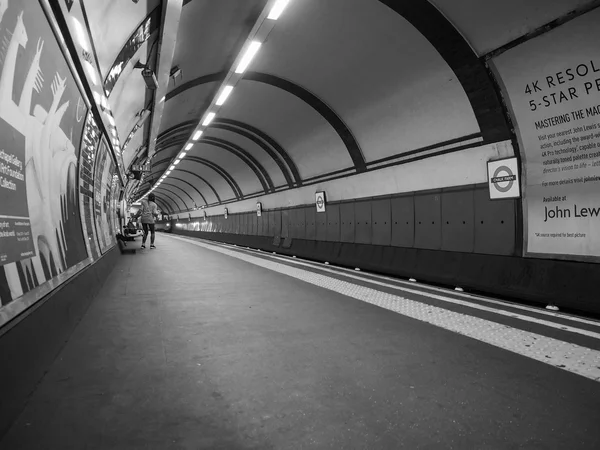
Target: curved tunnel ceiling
{"points": [[338, 88]]}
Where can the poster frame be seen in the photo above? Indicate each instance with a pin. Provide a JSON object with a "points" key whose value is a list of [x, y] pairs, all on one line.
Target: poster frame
{"points": [[17, 310], [522, 160]]}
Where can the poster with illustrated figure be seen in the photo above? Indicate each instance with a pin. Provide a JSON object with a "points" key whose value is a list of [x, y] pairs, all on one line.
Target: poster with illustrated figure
{"points": [[553, 85], [41, 122], [104, 212]]}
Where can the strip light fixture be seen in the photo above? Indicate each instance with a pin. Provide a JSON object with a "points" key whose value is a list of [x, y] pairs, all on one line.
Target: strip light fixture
{"points": [[251, 52], [257, 36], [277, 9], [208, 119], [226, 91]]}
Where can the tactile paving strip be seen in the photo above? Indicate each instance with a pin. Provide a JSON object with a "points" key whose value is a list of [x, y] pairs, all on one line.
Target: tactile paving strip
{"points": [[564, 355]]}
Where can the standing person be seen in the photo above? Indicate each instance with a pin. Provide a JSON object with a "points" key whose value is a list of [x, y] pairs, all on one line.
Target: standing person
{"points": [[148, 211]]}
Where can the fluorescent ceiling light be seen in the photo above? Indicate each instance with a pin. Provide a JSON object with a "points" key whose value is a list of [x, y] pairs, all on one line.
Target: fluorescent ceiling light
{"points": [[277, 9], [247, 58], [197, 135], [168, 172], [226, 91], [189, 146], [209, 118], [183, 155], [176, 162], [171, 168], [91, 72]]}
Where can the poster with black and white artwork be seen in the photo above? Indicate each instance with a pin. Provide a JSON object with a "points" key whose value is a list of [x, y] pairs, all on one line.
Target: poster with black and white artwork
{"points": [[41, 121]]}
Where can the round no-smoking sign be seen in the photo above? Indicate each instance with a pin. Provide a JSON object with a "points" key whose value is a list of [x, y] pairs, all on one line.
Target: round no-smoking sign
{"points": [[503, 178]]}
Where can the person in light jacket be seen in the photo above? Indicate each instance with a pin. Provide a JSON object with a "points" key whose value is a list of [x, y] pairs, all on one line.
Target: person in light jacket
{"points": [[148, 212]]}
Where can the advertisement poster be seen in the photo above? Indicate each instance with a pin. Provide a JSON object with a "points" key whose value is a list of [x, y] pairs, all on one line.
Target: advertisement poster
{"points": [[16, 242], [553, 88], [103, 212], [41, 121]]}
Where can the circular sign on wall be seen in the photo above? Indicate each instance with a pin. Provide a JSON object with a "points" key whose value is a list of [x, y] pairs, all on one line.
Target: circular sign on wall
{"points": [[320, 201], [503, 178]]}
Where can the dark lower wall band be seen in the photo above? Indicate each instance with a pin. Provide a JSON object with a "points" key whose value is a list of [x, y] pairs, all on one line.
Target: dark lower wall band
{"points": [[30, 346]]}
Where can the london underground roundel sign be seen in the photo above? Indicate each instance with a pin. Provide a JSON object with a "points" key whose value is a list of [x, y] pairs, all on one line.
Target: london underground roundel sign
{"points": [[320, 201], [503, 178]]}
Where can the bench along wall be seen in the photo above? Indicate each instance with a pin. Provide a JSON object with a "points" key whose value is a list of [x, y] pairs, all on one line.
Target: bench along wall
{"points": [[454, 236]]}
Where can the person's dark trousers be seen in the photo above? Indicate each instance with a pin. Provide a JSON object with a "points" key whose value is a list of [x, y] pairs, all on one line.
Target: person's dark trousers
{"points": [[148, 226]]}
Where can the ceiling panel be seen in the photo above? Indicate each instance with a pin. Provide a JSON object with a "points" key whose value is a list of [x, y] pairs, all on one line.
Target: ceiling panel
{"points": [[241, 172], [252, 148], [129, 95], [111, 23], [489, 24], [210, 175], [308, 138], [204, 188], [189, 105], [387, 82]]}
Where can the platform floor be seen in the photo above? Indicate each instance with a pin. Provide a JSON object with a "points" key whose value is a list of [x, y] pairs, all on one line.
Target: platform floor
{"points": [[202, 346]]}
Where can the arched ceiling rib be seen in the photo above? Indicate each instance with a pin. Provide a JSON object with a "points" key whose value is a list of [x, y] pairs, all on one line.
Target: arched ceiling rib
{"points": [[373, 83], [162, 165], [246, 157], [203, 180], [243, 155], [188, 185], [490, 24], [195, 183], [266, 142], [163, 204], [458, 54], [228, 178], [214, 176], [169, 201], [303, 94], [180, 133], [183, 191], [171, 192]]}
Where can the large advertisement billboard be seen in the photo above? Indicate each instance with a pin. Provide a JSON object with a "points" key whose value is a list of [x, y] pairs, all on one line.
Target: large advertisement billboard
{"points": [[41, 120], [552, 83]]}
